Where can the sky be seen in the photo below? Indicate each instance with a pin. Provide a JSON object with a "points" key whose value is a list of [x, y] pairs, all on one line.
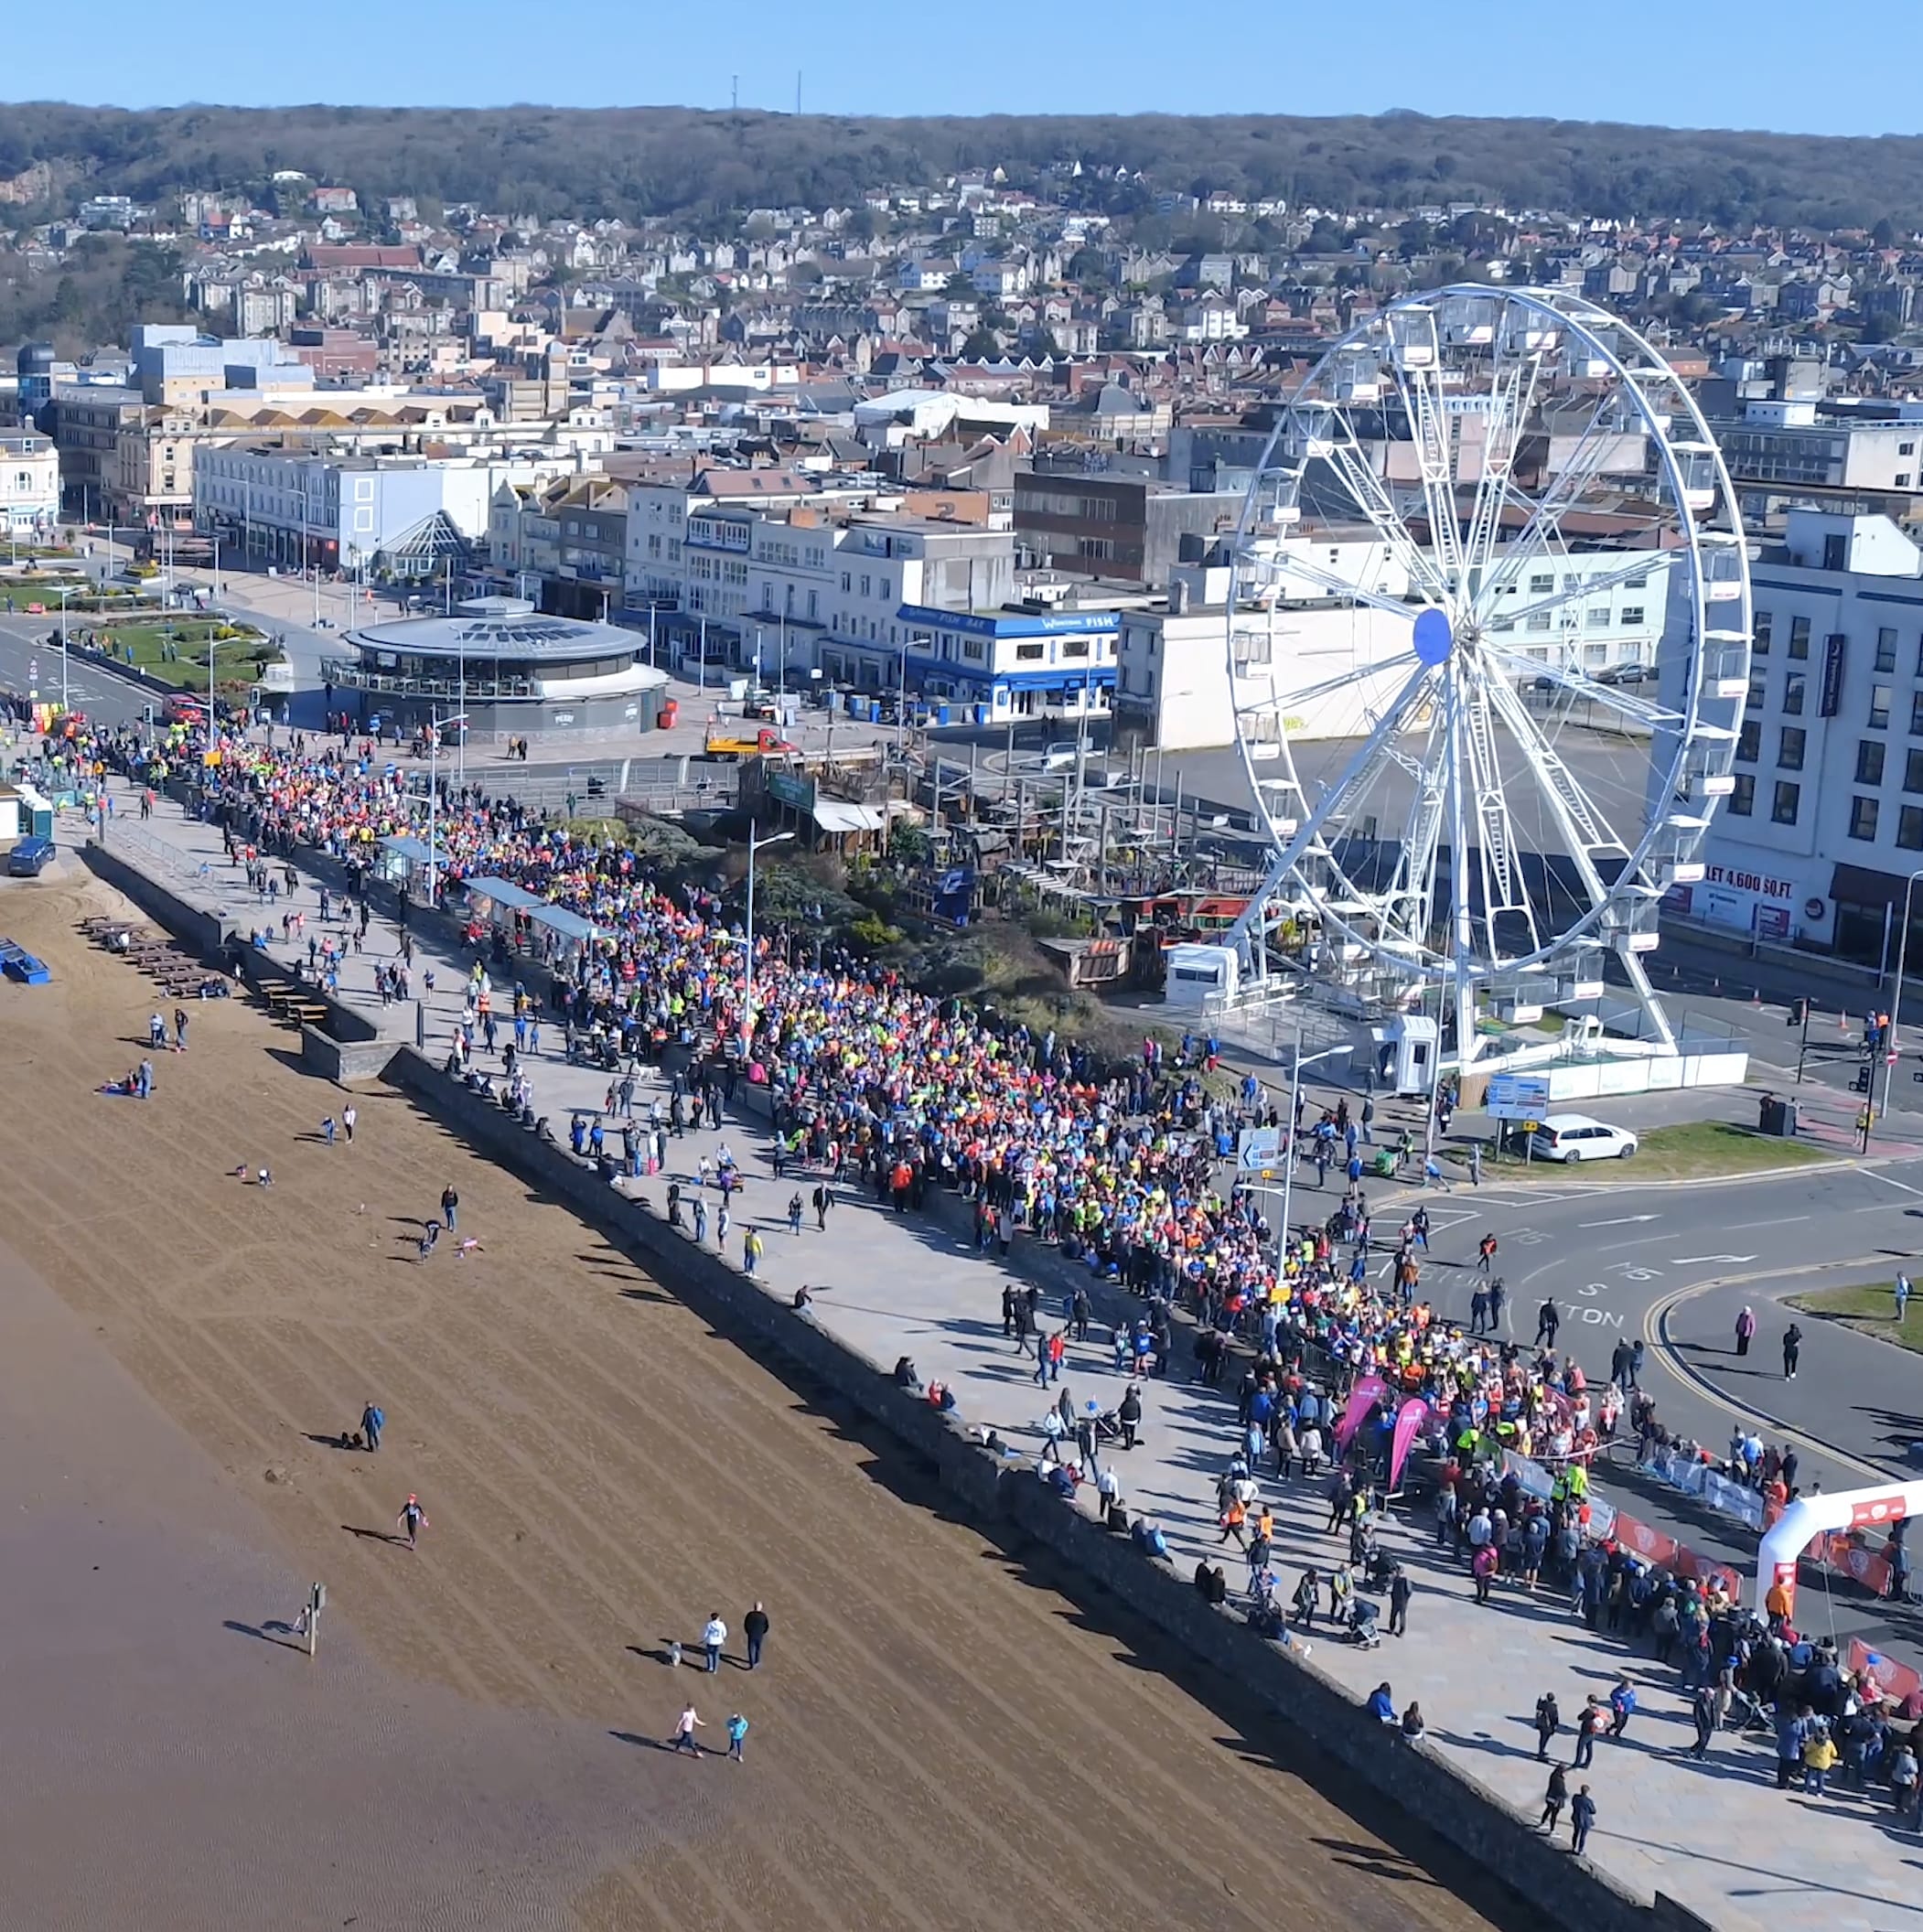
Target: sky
{"points": [[1774, 64]]}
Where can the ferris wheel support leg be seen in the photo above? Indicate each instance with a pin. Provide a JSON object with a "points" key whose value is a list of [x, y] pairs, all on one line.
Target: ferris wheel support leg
{"points": [[1646, 997]]}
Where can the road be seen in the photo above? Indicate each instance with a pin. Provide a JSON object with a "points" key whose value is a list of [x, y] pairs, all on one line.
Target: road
{"points": [[1672, 1262]]}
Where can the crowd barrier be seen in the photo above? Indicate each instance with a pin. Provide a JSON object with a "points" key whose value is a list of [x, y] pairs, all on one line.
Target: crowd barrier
{"points": [[1899, 1681]]}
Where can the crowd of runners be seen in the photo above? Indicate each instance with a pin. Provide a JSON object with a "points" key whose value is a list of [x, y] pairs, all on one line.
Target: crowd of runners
{"points": [[1118, 1166]]}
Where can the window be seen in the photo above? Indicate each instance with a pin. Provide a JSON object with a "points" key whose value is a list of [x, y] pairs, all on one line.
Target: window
{"points": [[1539, 619], [887, 590], [1910, 828], [1869, 761], [1028, 652], [1759, 635], [1540, 586], [1632, 614], [1597, 619], [1915, 714], [1793, 695], [1759, 691], [1749, 743], [1789, 747], [1783, 808], [1743, 798], [1798, 636], [1862, 818], [867, 587], [1906, 449], [846, 581], [1880, 696], [1636, 583], [1913, 772], [1885, 652]]}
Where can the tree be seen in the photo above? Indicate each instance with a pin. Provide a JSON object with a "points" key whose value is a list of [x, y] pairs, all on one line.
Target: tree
{"points": [[981, 346], [1416, 237]]}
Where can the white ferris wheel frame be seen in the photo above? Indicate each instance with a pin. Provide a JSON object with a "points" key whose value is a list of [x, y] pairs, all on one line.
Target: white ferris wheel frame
{"points": [[1469, 692]]}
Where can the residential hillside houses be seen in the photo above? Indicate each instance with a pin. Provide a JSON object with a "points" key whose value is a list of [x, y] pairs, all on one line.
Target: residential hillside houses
{"points": [[979, 436]]}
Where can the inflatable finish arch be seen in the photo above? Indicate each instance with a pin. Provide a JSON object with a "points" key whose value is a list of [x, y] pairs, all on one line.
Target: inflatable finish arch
{"points": [[1810, 1516]]}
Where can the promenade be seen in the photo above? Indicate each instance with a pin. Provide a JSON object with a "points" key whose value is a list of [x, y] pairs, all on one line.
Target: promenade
{"points": [[1715, 1835]]}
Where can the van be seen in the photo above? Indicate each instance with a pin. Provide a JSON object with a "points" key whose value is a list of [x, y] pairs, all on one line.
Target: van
{"points": [[30, 858]]}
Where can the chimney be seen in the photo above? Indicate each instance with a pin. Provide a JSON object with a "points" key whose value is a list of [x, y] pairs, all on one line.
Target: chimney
{"points": [[1179, 596]]}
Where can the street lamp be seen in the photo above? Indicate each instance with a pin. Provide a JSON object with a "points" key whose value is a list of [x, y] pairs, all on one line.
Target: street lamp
{"points": [[1889, 1046], [64, 594], [747, 964], [1288, 1167]]}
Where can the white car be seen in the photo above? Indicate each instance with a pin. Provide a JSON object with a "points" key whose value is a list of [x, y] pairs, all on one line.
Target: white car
{"points": [[1576, 1137]]}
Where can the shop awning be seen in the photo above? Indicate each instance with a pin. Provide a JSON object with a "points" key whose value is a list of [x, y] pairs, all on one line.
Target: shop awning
{"points": [[838, 815]]}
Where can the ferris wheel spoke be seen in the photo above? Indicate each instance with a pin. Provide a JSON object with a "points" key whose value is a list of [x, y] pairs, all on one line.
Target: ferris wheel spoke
{"points": [[1640, 711], [1422, 398], [1335, 585], [1569, 596], [1498, 861], [1357, 680], [1353, 465], [1587, 832], [1546, 513], [1510, 400]]}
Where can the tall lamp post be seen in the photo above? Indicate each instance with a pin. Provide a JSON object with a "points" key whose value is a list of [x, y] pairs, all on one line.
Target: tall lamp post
{"points": [[63, 649], [1288, 1167], [747, 961], [1889, 1046]]}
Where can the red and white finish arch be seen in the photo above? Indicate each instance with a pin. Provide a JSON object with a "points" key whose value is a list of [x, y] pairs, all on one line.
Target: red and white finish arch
{"points": [[1810, 1516]]}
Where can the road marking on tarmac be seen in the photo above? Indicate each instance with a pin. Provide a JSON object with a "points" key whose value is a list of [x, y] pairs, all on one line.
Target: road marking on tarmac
{"points": [[1892, 1181], [1621, 1221], [1656, 1333], [1684, 1260]]}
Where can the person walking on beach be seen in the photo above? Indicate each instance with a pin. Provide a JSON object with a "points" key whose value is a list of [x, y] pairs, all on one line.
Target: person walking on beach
{"points": [[1745, 1328], [371, 1423], [412, 1519], [1792, 1347], [715, 1634], [349, 1115], [686, 1726], [450, 1207], [737, 1736], [754, 1628]]}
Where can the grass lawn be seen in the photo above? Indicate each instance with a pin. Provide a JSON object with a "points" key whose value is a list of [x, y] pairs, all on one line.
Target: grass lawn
{"points": [[1870, 1308], [1693, 1151], [238, 660]]}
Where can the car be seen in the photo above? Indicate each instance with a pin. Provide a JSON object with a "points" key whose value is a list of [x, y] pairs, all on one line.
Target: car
{"points": [[30, 858], [1627, 674], [1575, 1137]]}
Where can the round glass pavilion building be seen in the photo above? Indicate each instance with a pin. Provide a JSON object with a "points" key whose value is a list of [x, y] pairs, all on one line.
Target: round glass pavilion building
{"points": [[503, 666]]}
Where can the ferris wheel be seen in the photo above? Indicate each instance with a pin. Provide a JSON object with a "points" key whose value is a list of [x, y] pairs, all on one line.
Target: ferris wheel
{"points": [[1489, 641]]}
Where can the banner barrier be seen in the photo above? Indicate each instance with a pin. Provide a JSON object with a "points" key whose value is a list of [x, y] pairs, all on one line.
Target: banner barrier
{"points": [[1410, 1420], [1899, 1681], [1369, 1390]]}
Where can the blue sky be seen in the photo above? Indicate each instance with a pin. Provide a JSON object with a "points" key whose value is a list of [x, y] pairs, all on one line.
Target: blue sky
{"points": [[1764, 63]]}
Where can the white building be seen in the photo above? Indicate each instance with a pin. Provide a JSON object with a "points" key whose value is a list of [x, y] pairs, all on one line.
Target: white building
{"points": [[29, 484], [1825, 825], [344, 512], [1177, 686]]}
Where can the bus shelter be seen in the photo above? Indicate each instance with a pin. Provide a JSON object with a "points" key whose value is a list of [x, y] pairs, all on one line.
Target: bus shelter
{"points": [[561, 938], [500, 906], [398, 860]]}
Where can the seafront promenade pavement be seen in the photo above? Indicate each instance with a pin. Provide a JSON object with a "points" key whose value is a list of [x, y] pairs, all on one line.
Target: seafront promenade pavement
{"points": [[1716, 1836]]}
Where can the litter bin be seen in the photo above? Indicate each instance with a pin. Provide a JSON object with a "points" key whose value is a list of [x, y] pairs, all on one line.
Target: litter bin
{"points": [[1778, 1117], [667, 716]]}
